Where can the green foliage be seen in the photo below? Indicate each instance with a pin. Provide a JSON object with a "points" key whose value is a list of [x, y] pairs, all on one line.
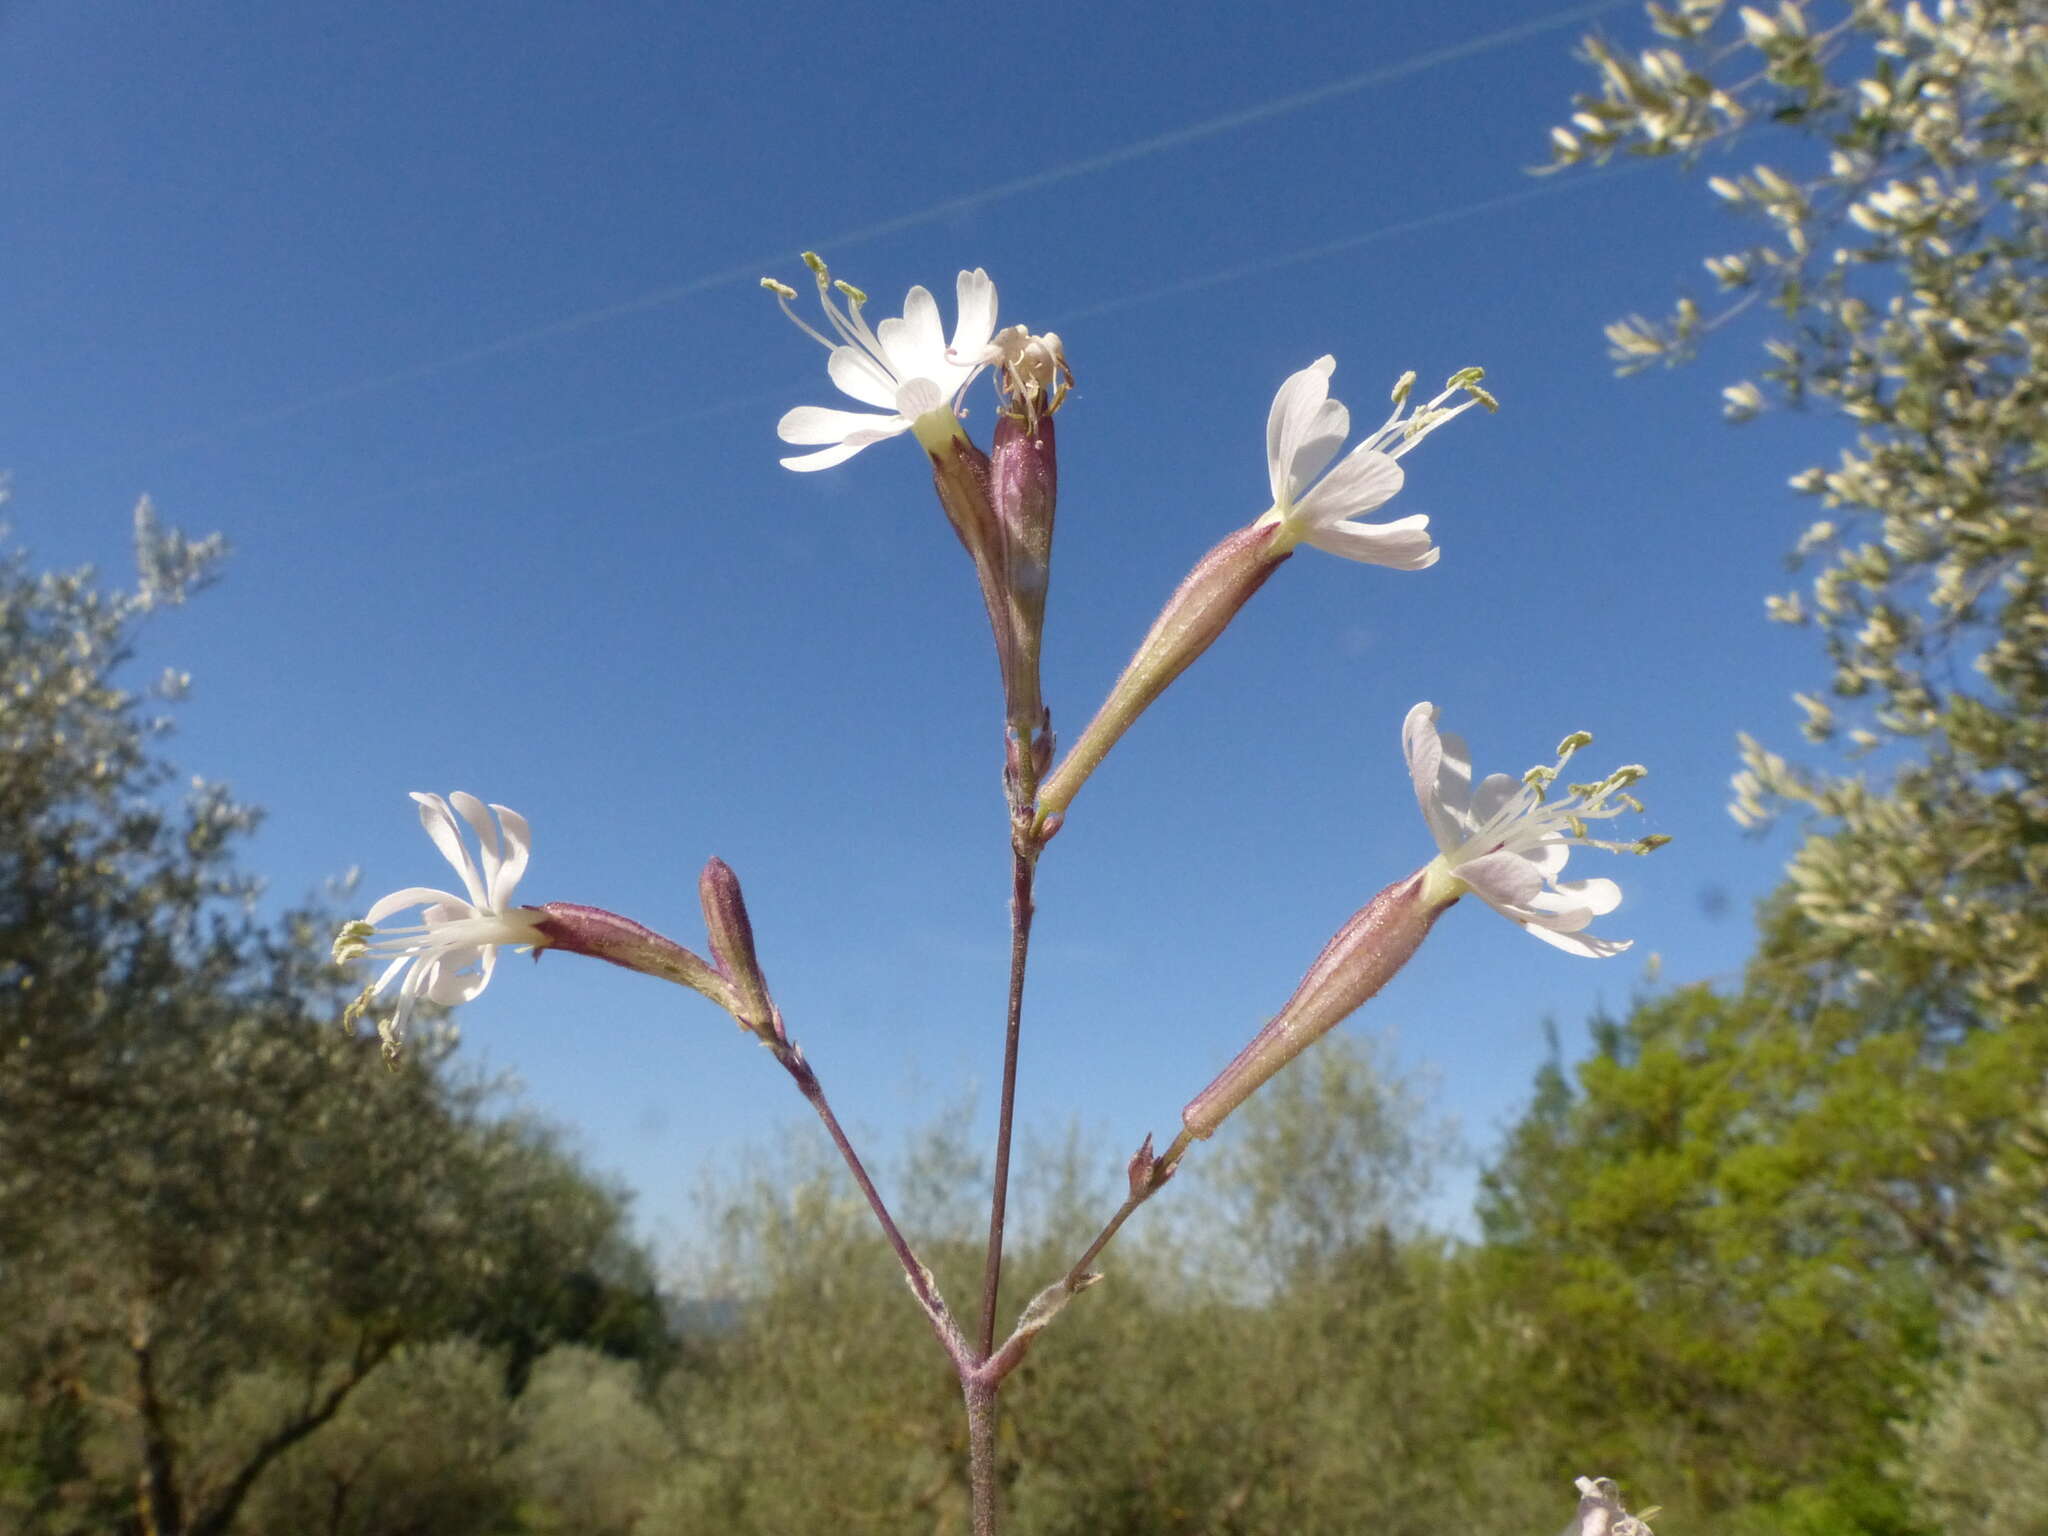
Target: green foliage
{"points": [[591, 1450], [1978, 1458], [1901, 239], [1709, 1244], [823, 1403], [219, 1216], [1275, 1348], [421, 1450], [1734, 1239], [1756, 1210]]}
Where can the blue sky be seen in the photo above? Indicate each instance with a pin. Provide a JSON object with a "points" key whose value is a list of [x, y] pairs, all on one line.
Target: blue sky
{"points": [[446, 315]]}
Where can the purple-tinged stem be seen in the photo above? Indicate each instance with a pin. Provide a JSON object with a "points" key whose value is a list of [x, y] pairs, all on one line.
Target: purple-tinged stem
{"points": [[981, 1453], [1023, 864], [1148, 1175], [605, 935], [1143, 1188], [922, 1285]]}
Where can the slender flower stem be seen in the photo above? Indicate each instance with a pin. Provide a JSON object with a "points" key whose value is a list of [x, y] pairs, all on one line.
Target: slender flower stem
{"points": [[922, 1285], [1023, 866], [1162, 1170], [608, 936], [999, 1363]]}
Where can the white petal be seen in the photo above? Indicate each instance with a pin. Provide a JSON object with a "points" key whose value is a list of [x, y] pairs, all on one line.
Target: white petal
{"points": [[460, 975], [1429, 762], [486, 830], [975, 294], [1503, 879], [1322, 438], [914, 345], [1297, 400], [1598, 896], [412, 896], [440, 824], [518, 847], [825, 458], [1494, 791], [1397, 546], [821, 424], [1454, 779], [1589, 945], [1365, 481], [919, 396], [862, 377], [1549, 857]]}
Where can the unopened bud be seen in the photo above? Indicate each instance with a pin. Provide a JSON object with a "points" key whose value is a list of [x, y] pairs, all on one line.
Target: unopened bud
{"points": [[960, 474], [1142, 1170], [732, 946]]}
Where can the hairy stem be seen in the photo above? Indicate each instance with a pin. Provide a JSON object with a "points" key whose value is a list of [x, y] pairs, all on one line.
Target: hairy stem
{"points": [[981, 1453]]}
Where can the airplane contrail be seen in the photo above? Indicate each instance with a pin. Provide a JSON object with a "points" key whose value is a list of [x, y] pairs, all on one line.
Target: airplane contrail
{"points": [[1065, 320], [1351, 242], [750, 270]]}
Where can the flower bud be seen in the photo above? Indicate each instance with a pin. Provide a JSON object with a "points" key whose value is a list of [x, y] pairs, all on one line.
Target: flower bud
{"points": [[732, 946], [1354, 965], [1199, 610], [1147, 1170]]}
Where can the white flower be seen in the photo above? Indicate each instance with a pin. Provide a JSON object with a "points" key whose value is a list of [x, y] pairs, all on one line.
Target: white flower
{"points": [[447, 957], [903, 367], [1507, 843], [1304, 432]]}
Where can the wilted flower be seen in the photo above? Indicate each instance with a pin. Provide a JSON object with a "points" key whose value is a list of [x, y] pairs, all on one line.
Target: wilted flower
{"points": [[1507, 842], [447, 957], [1304, 432], [904, 367], [1601, 1513], [1032, 375]]}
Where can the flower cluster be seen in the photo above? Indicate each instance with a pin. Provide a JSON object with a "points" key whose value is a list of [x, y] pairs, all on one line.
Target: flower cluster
{"points": [[1503, 839]]}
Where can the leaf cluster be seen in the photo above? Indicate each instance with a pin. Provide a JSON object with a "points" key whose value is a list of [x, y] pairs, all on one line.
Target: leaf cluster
{"points": [[1902, 244]]}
